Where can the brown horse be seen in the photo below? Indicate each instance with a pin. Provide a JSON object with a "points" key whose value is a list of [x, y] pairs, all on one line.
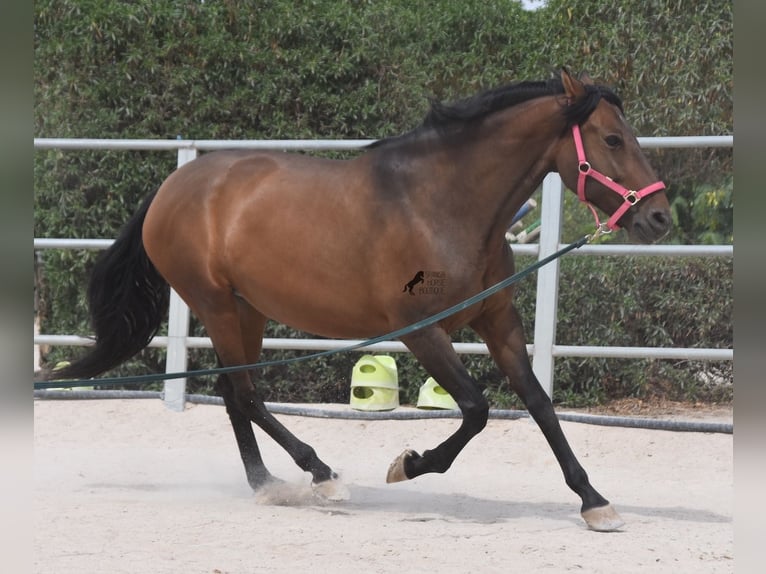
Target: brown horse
{"points": [[248, 236]]}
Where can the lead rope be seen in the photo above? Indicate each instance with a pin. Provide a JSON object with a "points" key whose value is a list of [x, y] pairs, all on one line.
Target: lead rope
{"points": [[585, 171]]}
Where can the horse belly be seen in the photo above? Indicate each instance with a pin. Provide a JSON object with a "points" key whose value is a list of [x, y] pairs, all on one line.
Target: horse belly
{"points": [[344, 306]]}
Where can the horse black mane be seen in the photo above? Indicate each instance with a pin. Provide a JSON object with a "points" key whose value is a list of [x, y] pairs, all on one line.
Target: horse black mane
{"points": [[462, 113]]}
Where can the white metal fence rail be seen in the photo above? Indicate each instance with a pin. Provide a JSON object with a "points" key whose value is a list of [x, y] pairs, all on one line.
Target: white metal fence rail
{"points": [[544, 349]]}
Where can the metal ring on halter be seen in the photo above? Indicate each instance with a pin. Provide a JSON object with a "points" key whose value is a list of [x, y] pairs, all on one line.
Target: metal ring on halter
{"points": [[584, 167], [601, 229]]}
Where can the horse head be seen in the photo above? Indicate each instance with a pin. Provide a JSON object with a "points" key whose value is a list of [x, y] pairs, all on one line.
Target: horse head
{"points": [[600, 157]]}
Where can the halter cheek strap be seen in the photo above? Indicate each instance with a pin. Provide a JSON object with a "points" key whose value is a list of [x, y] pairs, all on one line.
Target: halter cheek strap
{"points": [[629, 196]]}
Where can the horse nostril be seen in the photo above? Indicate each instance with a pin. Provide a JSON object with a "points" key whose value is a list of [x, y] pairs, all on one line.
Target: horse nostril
{"points": [[660, 219]]}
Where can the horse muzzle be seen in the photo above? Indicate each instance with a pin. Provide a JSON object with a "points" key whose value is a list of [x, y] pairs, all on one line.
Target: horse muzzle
{"points": [[650, 224]]}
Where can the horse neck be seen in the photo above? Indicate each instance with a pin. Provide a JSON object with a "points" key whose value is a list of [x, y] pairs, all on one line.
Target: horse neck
{"points": [[490, 173]]}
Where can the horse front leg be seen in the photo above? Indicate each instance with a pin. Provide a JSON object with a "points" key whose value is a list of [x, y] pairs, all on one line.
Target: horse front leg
{"points": [[503, 333], [433, 349]]}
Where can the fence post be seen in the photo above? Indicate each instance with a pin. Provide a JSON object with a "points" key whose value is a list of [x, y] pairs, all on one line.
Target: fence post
{"points": [[174, 395], [548, 281]]}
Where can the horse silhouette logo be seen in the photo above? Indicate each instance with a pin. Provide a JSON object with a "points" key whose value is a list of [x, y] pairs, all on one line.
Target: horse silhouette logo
{"points": [[419, 278]]}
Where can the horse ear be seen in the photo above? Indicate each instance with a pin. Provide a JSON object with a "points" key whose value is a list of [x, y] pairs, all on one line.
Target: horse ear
{"points": [[573, 88]]}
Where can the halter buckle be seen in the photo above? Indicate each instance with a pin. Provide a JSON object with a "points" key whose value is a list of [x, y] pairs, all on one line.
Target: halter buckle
{"points": [[632, 197]]}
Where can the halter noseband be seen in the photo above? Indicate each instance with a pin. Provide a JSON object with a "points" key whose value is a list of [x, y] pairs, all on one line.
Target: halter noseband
{"points": [[629, 196]]}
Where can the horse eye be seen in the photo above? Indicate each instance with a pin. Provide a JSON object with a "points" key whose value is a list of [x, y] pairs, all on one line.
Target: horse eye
{"points": [[613, 141]]}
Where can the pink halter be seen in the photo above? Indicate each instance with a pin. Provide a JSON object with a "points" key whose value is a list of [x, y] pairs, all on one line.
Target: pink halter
{"points": [[631, 197]]}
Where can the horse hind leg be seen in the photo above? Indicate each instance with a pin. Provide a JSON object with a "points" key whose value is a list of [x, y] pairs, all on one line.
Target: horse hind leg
{"points": [[503, 332], [236, 329], [255, 469]]}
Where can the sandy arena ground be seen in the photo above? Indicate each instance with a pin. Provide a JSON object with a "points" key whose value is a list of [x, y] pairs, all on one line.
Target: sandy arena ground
{"points": [[130, 487]]}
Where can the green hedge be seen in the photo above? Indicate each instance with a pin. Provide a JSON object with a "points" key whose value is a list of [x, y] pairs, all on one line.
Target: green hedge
{"points": [[332, 69]]}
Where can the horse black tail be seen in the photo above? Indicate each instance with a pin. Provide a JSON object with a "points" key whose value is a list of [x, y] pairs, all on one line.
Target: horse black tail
{"points": [[127, 299]]}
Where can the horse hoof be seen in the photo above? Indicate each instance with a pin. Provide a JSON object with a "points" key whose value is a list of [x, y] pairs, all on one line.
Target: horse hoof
{"points": [[396, 469], [333, 490], [603, 519]]}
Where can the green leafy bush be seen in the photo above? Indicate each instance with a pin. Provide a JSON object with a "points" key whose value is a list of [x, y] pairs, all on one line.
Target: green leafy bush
{"points": [[327, 69]]}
